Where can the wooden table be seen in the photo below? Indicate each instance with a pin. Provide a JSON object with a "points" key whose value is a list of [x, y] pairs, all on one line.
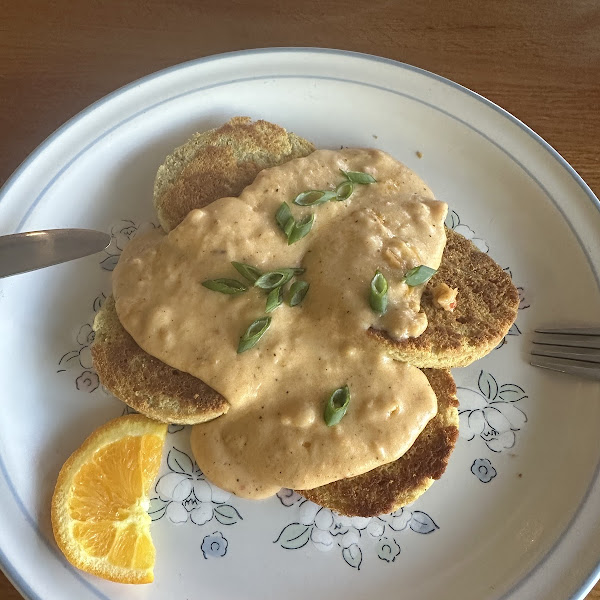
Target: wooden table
{"points": [[538, 59]]}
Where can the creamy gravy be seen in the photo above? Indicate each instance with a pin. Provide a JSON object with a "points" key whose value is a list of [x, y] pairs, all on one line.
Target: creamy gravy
{"points": [[274, 434]]}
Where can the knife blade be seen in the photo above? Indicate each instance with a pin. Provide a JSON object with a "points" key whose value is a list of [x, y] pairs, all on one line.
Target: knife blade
{"points": [[28, 251]]}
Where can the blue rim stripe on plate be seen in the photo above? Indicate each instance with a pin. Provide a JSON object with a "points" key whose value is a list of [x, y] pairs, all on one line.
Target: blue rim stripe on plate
{"points": [[12, 573], [226, 55], [547, 193]]}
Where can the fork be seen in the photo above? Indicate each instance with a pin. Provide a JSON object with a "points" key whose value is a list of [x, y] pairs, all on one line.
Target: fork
{"points": [[575, 351]]}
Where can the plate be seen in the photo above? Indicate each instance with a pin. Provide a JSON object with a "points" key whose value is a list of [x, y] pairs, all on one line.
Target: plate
{"points": [[517, 513]]}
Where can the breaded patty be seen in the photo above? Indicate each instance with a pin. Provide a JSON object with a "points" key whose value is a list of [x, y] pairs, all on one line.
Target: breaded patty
{"points": [[220, 163], [223, 161], [486, 307], [145, 383], [398, 483], [212, 165]]}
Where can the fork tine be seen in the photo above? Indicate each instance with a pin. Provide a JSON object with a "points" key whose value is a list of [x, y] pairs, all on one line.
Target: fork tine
{"points": [[554, 338], [571, 350], [572, 331], [564, 365], [572, 353]]}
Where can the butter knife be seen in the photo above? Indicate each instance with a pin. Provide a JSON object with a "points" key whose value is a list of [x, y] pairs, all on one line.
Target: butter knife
{"points": [[23, 252]]}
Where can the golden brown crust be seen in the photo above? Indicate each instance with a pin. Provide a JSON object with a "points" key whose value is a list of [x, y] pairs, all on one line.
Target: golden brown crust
{"points": [[487, 305], [219, 163], [212, 165], [396, 484], [145, 383]]}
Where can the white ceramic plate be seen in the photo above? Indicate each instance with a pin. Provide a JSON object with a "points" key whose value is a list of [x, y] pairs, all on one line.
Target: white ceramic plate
{"points": [[517, 514]]}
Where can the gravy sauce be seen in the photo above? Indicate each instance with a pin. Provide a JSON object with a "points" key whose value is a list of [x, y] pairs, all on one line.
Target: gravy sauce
{"points": [[274, 434]]}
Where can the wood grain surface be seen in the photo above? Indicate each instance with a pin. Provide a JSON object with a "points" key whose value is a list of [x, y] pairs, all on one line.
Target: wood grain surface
{"points": [[538, 59]]}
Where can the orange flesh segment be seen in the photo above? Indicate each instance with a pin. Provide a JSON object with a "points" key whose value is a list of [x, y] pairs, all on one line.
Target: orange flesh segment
{"points": [[106, 491]]}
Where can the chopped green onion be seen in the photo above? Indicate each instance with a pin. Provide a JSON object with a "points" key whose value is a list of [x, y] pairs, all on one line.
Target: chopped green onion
{"points": [[358, 177], [274, 279], [274, 299], [298, 290], [289, 226], [283, 215], [294, 230], [344, 190], [247, 271], [253, 334], [419, 275], [378, 295], [336, 406], [300, 229], [314, 197], [225, 286]]}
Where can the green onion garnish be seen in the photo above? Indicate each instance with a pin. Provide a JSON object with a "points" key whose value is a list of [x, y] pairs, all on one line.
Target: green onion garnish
{"points": [[298, 290], [419, 275], [274, 299], [253, 334], [358, 177], [247, 271], [378, 293], [300, 229], [294, 230], [225, 286], [274, 279], [336, 406], [283, 215], [344, 190], [314, 197], [291, 222]]}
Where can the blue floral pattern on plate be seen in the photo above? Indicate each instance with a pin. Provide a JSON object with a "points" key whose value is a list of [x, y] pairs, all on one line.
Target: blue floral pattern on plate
{"points": [[214, 545], [121, 233], [453, 222], [86, 380], [184, 495], [81, 358], [326, 530], [491, 412], [482, 469]]}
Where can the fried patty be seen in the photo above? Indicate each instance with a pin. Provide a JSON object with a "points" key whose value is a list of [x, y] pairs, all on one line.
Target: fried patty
{"points": [[387, 488], [222, 162], [486, 307], [145, 383]]}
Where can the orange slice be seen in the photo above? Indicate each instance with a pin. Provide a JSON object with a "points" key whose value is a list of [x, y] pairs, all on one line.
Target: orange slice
{"points": [[100, 503]]}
